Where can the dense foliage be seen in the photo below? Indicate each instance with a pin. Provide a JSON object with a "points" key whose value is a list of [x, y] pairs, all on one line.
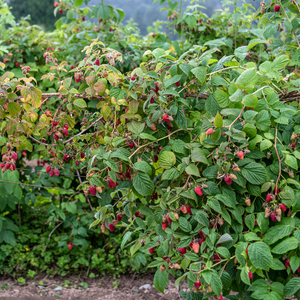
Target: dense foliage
{"points": [[190, 148]]}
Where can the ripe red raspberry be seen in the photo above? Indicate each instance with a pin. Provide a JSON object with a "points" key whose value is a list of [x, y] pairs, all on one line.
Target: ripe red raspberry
{"points": [[61, 11], [54, 123], [166, 118], [112, 184], [55, 136], [56, 173], [182, 250], [92, 190], [276, 8], [210, 131], [228, 180], [14, 156], [287, 264], [17, 65], [273, 217], [189, 210], [70, 247], [97, 62], [151, 250], [76, 163], [66, 158], [240, 155], [65, 132], [250, 274], [283, 207], [198, 191], [169, 220], [7, 166], [131, 145], [48, 169], [177, 83], [164, 225], [83, 18], [133, 78], [82, 154], [111, 227], [55, 4], [51, 173], [197, 284], [119, 217], [269, 198]]}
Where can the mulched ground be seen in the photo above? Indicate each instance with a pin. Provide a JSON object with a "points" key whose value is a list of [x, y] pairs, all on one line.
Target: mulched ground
{"points": [[127, 287]]}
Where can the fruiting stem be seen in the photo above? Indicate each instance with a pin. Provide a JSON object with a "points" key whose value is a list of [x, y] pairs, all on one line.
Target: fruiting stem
{"points": [[86, 197], [279, 160], [295, 34]]}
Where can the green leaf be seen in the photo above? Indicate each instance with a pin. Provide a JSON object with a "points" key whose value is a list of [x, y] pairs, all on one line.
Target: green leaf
{"points": [[260, 255], [80, 103], [200, 73], [222, 98], [280, 62], [247, 80], [254, 173], [146, 136], [250, 100], [291, 161], [105, 112], [265, 144], [184, 224], [78, 3], [192, 169], [167, 159], [172, 80], [216, 283], [143, 167], [170, 174], [245, 275], [292, 287], [276, 233], [143, 184], [191, 21], [198, 155], [103, 11], [224, 252], [13, 108], [71, 207], [161, 279], [202, 218], [218, 120], [263, 121], [286, 245], [136, 127]]}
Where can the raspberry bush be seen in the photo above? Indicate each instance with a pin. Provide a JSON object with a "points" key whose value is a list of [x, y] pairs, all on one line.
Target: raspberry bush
{"points": [[193, 153]]}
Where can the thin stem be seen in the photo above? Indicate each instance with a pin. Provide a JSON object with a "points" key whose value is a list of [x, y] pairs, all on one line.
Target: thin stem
{"points": [[52, 233], [229, 127], [153, 142], [181, 1], [295, 34]]}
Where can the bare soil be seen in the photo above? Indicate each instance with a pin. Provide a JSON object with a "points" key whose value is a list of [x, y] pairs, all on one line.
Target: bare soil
{"points": [[127, 287]]}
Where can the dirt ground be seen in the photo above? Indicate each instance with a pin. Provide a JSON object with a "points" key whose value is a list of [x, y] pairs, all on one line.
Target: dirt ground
{"points": [[127, 287]]}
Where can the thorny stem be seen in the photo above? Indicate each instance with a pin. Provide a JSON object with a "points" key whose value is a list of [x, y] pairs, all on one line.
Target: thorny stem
{"points": [[279, 160], [52, 233]]}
